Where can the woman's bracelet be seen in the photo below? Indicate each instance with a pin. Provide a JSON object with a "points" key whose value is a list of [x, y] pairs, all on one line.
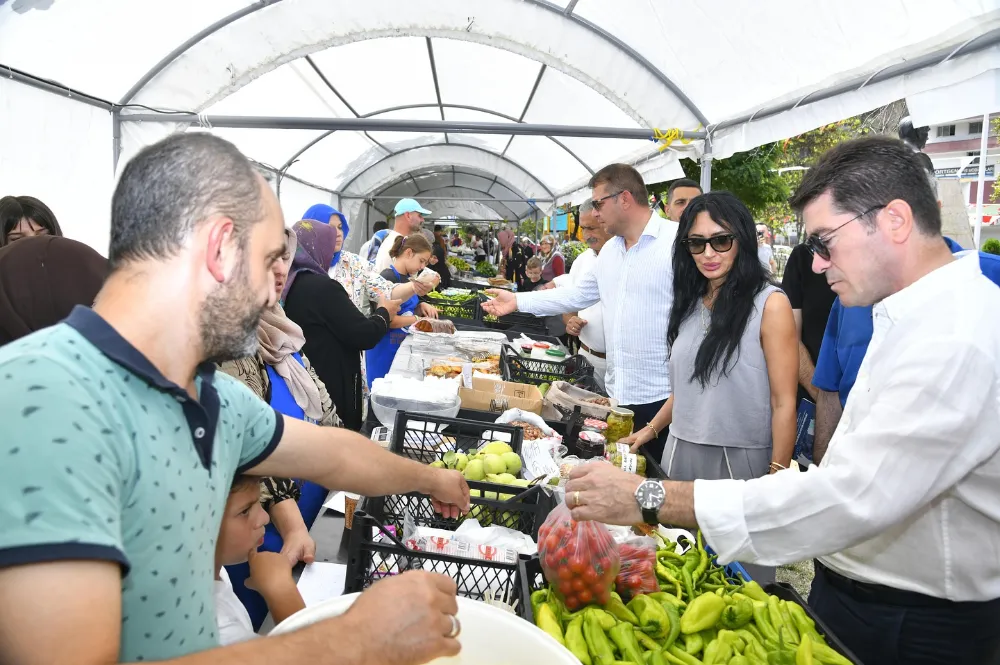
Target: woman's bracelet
{"points": [[777, 466], [656, 435]]}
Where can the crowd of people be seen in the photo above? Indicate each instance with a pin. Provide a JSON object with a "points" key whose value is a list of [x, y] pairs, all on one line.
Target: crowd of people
{"points": [[158, 402]]}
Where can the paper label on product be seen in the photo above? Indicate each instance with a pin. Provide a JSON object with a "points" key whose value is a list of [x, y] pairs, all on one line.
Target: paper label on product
{"points": [[467, 374], [623, 448], [462, 548], [630, 463], [537, 460]]}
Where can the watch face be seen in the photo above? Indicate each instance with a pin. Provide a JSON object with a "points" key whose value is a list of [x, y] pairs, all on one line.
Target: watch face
{"points": [[650, 495]]}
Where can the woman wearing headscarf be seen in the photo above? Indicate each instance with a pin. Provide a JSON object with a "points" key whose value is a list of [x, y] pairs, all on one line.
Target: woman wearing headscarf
{"points": [[513, 260], [336, 332], [42, 279], [358, 277], [25, 217], [553, 263], [281, 375]]}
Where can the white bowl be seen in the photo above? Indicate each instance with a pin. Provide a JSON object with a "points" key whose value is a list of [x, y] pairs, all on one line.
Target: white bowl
{"points": [[490, 635]]}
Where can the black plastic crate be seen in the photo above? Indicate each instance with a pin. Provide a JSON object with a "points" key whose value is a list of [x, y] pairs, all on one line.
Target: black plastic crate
{"points": [[370, 561], [531, 579], [519, 369], [448, 309], [519, 321], [427, 438], [512, 333]]}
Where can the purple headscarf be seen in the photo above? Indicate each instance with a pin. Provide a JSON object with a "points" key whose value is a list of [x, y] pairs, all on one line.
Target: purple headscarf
{"points": [[317, 243]]}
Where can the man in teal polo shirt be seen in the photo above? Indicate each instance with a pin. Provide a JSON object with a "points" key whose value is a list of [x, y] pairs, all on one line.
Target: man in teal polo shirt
{"points": [[120, 443]]}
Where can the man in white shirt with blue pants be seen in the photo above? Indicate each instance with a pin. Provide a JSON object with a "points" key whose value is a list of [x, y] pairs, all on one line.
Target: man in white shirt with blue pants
{"points": [[633, 281], [903, 513]]}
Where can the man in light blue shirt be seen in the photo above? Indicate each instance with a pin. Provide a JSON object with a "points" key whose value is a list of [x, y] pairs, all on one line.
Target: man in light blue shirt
{"points": [[633, 279]]}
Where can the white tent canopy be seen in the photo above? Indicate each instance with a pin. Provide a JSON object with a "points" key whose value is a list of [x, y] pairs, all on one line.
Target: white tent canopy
{"points": [[747, 75]]}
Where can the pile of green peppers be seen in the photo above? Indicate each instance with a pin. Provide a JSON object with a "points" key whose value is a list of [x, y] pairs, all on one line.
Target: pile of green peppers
{"points": [[699, 617]]}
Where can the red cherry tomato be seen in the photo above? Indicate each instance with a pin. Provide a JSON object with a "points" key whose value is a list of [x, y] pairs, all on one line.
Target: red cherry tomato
{"points": [[577, 564], [579, 584], [603, 597], [585, 596], [564, 573], [572, 604], [590, 576], [566, 587]]}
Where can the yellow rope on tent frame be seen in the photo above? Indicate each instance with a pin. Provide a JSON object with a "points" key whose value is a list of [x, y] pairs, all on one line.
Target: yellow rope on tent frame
{"points": [[667, 137]]}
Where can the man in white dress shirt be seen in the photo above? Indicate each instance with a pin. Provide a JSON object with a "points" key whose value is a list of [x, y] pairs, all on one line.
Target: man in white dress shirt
{"points": [[588, 323], [903, 513], [633, 279]]}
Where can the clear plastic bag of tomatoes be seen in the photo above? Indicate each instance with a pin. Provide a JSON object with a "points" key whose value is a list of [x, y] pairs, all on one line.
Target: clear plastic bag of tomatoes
{"points": [[638, 568], [579, 559]]}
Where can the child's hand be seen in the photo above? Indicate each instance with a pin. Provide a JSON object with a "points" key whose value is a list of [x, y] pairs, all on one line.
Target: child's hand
{"points": [[269, 572], [428, 310]]}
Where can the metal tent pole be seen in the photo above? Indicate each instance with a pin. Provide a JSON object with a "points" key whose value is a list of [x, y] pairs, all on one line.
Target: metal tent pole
{"points": [[706, 172], [447, 198], [983, 147], [391, 125]]}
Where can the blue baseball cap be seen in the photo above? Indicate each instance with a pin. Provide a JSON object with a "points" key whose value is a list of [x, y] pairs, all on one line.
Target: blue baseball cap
{"points": [[409, 205]]}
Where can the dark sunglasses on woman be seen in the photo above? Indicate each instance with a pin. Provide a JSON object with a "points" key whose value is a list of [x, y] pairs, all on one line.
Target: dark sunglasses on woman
{"points": [[722, 243]]}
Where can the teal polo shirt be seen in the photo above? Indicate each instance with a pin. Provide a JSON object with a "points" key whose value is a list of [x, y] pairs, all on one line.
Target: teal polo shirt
{"points": [[101, 457]]}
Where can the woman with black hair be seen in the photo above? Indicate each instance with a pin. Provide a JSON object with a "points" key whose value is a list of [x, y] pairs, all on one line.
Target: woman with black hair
{"points": [[733, 352], [24, 217]]}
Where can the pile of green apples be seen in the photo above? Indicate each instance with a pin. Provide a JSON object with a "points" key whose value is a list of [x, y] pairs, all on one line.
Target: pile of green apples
{"points": [[494, 462]]}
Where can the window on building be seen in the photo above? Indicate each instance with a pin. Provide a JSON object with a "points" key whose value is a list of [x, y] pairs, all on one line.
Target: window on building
{"points": [[976, 127], [946, 130]]}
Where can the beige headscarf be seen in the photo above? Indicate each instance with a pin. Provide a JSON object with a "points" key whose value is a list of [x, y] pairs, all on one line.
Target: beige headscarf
{"points": [[279, 338]]}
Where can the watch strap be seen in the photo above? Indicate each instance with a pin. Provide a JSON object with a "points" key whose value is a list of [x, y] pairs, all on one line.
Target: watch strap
{"points": [[650, 517]]}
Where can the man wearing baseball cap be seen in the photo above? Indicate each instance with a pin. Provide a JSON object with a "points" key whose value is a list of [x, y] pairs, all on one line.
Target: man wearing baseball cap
{"points": [[409, 216]]}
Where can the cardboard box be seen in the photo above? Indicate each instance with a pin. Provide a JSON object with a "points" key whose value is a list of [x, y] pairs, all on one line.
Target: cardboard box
{"points": [[483, 396]]}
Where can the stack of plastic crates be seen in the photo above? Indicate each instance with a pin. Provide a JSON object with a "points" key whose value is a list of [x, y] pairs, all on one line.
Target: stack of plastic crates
{"points": [[519, 369]]}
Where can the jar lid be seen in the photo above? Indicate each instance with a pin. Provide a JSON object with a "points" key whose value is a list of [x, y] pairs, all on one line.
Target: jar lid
{"points": [[592, 437], [542, 345], [559, 353]]}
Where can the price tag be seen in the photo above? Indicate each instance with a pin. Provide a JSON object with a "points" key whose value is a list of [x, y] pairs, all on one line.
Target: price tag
{"points": [[623, 449], [467, 374], [537, 460], [630, 463]]}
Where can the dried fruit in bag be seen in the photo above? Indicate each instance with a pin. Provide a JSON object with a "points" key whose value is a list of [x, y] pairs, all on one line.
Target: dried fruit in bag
{"points": [[637, 573], [579, 559]]}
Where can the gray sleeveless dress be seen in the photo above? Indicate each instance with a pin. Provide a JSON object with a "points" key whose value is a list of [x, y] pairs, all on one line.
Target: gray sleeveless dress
{"points": [[724, 429]]}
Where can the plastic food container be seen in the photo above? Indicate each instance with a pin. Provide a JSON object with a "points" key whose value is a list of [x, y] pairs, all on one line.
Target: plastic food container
{"points": [[385, 408]]}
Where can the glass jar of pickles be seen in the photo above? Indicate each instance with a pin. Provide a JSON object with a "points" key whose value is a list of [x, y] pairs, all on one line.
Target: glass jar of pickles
{"points": [[620, 423], [630, 462]]}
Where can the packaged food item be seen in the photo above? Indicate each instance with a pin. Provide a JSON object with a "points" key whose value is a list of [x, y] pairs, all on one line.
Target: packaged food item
{"points": [[435, 325], [595, 425], [590, 445], [620, 423], [637, 574], [630, 462], [570, 550]]}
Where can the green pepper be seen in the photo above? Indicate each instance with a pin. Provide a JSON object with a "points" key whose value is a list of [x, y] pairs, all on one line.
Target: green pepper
{"points": [[737, 615], [693, 643], [617, 609], [708, 586], [601, 650], [739, 660], [674, 600], [787, 622], [606, 621], [656, 658], [703, 612], [575, 641], [774, 611], [652, 617], [826, 655], [682, 657], [645, 641], [624, 638], [781, 656], [664, 574], [702, 559], [688, 584], [805, 625], [670, 555], [675, 624], [804, 654], [537, 598], [547, 621], [754, 591], [763, 623], [718, 651]]}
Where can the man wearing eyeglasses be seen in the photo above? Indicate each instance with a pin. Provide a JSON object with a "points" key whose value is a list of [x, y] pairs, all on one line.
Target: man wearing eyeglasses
{"points": [[903, 513], [633, 279]]}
